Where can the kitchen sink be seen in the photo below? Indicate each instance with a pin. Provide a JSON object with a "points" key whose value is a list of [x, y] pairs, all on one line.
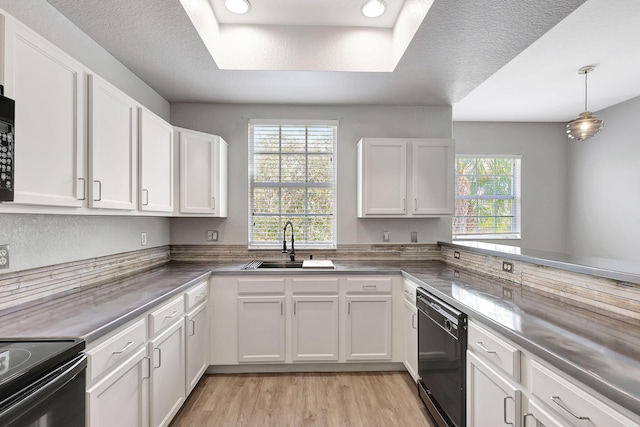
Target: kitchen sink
{"points": [[254, 265]]}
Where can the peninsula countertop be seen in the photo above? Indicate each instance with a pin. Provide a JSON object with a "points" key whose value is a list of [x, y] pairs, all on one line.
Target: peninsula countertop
{"points": [[600, 352]]}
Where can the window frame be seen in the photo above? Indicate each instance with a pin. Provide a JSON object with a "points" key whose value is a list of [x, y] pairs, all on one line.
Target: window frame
{"points": [[301, 241], [516, 197]]}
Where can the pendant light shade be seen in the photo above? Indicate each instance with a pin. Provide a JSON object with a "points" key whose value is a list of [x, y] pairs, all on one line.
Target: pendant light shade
{"points": [[586, 124]]}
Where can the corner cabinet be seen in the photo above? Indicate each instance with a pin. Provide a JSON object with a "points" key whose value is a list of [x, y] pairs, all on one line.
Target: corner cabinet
{"points": [[400, 178], [155, 163], [203, 185], [48, 87], [113, 149]]}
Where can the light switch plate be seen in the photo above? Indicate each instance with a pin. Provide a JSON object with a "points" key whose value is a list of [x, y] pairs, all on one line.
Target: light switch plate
{"points": [[414, 237], [385, 236], [212, 235], [4, 256]]}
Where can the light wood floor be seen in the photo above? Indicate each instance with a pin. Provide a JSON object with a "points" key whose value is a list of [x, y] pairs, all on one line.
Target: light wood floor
{"points": [[304, 399]]}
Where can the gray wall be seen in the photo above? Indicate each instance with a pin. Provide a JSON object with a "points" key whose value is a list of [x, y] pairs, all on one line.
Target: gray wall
{"points": [[544, 148], [40, 240], [604, 180], [231, 121], [44, 19]]}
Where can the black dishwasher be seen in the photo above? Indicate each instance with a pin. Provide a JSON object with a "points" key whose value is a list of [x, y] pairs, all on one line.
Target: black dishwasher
{"points": [[442, 347]]}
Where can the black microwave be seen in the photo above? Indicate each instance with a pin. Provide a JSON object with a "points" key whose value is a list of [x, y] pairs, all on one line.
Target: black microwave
{"points": [[7, 147]]}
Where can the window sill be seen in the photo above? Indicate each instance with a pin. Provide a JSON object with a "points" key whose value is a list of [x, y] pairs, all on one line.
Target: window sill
{"points": [[488, 237]]}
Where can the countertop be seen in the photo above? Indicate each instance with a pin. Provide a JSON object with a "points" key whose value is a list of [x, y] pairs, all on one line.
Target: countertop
{"points": [[598, 351]]}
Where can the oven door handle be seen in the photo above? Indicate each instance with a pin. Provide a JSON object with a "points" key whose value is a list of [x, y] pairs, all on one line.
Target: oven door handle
{"points": [[53, 383]]}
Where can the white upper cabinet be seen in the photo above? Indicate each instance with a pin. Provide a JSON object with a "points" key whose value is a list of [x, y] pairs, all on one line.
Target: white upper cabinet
{"points": [[48, 87], [203, 174], [405, 177], [112, 147], [155, 163]]}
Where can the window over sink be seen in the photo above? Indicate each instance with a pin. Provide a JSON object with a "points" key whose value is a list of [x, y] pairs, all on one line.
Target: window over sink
{"points": [[292, 177]]}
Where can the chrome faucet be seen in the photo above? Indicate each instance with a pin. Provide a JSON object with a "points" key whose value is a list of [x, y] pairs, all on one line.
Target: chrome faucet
{"points": [[284, 242]]}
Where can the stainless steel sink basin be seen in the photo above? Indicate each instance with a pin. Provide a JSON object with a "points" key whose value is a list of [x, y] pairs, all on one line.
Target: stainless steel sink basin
{"points": [[254, 265]]}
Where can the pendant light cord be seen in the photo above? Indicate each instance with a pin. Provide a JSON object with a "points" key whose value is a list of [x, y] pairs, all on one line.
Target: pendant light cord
{"points": [[585, 91]]}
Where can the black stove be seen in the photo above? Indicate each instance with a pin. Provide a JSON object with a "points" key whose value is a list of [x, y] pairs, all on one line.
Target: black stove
{"points": [[38, 379]]}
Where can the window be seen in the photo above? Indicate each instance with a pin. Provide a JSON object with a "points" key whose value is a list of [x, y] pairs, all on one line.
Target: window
{"points": [[292, 177], [487, 197]]}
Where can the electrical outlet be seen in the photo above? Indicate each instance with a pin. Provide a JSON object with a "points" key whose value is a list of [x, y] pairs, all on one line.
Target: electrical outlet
{"points": [[212, 235], [4, 256], [143, 238], [507, 266], [456, 254], [385, 236], [456, 274], [507, 293], [414, 237]]}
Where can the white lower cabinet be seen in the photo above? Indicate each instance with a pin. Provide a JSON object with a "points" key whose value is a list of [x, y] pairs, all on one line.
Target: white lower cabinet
{"points": [[410, 326], [509, 386], [121, 397], [315, 328], [167, 386], [492, 399], [261, 336], [197, 344], [368, 327]]}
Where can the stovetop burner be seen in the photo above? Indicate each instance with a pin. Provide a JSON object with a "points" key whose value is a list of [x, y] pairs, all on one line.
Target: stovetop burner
{"points": [[23, 360]]}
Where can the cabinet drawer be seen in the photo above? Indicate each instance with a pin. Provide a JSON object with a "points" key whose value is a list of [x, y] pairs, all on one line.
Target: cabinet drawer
{"points": [[196, 295], [260, 286], [115, 349], [165, 315], [315, 286], [369, 285], [409, 290], [573, 402], [495, 349]]}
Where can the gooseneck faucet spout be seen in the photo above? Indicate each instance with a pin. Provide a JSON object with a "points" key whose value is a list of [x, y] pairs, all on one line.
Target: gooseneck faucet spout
{"points": [[284, 242]]}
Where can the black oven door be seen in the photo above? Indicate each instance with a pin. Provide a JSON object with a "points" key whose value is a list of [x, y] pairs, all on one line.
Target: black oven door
{"points": [[441, 360], [56, 400]]}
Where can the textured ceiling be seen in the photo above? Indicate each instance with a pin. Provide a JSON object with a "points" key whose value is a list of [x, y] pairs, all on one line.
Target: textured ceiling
{"points": [[459, 45]]}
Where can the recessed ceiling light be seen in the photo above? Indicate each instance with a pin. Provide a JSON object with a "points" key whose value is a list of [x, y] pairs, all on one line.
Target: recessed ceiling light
{"points": [[238, 7], [373, 8]]}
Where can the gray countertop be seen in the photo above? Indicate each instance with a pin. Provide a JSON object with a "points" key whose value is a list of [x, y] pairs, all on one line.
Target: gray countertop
{"points": [[600, 352]]}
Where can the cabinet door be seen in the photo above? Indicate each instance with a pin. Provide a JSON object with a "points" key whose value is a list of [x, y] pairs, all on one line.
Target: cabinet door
{"points": [[167, 353], [536, 416], [315, 328], [156, 163], [383, 176], [368, 335], [492, 400], [48, 87], [121, 398], [432, 172], [203, 174], [410, 325], [197, 345], [112, 147], [261, 329]]}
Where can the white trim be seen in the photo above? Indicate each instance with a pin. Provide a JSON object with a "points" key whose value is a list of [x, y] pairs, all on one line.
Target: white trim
{"points": [[293, 122]]}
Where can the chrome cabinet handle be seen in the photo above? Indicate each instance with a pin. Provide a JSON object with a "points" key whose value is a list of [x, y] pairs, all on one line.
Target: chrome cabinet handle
{"points": [[413, 321], [294, 308], [172, 315], [483, 348], [504, 409], [146, 377], [193, 327], [145, 191], [99, 191], [214, 203], [560, 403], [84, 188], [159, 357], [524, 418], [200, 295], [125, 348], [371, 287], [349, 309], [415, 205], [404, 205], [281, 308]]}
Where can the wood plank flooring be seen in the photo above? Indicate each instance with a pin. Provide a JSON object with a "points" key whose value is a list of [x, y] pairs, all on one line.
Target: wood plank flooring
{"points": [[304, 399]]}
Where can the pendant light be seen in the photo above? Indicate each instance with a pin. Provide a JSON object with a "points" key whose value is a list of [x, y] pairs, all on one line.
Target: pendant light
{"points": [[586, 124]]}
